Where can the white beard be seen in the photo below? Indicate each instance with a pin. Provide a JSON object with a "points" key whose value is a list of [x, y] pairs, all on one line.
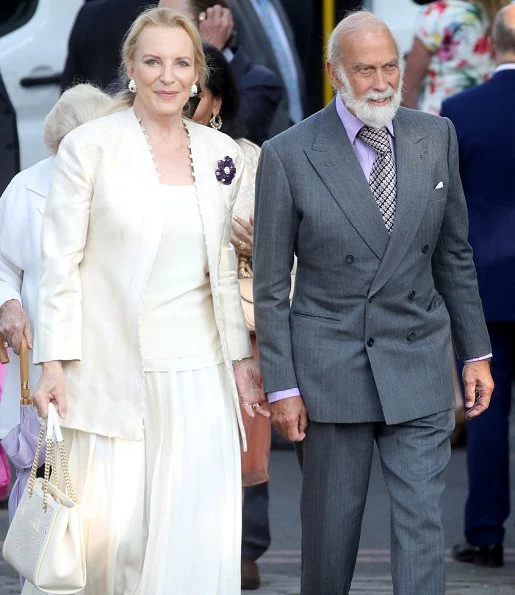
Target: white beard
{"points": [[375, 116]]}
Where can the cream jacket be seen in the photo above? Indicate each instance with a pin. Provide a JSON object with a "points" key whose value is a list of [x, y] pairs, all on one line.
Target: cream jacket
{"points": [[21, 210], [101, 231]]}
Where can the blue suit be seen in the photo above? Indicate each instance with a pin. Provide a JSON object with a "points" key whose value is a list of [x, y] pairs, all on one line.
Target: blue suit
{"points": [[485, 124]]}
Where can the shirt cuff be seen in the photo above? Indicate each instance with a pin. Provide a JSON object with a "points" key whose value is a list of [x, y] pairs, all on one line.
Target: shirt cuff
{"points": [[282, 394], [477, 359], [228, 54]]}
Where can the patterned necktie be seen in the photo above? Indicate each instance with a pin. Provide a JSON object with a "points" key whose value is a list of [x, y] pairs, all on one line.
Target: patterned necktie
{"points": [[284, 56], [382, 177]]}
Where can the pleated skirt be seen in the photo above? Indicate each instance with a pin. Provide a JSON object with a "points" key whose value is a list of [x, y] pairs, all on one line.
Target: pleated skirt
{"points": [[163, 516]]}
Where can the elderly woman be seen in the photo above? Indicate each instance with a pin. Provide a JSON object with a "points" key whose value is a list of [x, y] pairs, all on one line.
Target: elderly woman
{"points": [[140, 331], [21, 208]]}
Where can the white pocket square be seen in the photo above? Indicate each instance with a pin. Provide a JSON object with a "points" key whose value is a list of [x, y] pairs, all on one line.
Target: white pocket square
{"points": [[439, 185]]}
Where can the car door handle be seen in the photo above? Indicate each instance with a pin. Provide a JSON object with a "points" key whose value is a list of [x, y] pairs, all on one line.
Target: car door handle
{"points": [[39, 81]]}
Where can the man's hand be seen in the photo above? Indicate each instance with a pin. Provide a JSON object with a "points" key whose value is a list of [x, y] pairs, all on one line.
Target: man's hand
{"points": [[215, 26], [14, 324], [250, 387], [479, 386], [290, 418]]}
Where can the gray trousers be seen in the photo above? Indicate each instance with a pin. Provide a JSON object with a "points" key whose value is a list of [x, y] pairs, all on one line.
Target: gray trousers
{"points": [[336, 470]]}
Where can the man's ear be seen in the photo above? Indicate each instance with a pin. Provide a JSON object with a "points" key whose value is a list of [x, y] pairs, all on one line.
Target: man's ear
{"points": [[333, 75]]}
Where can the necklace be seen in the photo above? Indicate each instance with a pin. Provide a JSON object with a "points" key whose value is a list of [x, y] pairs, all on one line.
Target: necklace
{"points": [[156, 167]]}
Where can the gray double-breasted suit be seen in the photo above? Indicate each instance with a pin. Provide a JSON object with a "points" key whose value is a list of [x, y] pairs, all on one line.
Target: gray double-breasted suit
{"points": [[368, 338]]}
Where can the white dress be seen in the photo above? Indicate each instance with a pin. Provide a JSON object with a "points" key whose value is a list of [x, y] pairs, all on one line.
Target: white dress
{"points": [[163, 516]]}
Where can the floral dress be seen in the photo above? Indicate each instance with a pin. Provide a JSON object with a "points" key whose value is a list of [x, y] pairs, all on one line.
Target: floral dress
{"points": [[455, 33]]}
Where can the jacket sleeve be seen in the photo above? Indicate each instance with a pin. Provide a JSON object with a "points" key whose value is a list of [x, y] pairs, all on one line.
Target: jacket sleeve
{"points": [[64, 230], [453, 268], [238, 339], [275, 229], [13, 226]]}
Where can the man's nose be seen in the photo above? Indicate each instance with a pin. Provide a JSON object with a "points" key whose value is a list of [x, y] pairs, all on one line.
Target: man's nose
{"points": [[380, 82]]}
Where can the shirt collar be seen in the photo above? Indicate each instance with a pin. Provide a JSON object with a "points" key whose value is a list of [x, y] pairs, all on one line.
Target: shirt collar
{"points": [[508, 66], [352, 123]]}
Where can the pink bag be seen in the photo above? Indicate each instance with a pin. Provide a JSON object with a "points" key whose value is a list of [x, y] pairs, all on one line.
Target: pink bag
{"points": [[5, 469]]}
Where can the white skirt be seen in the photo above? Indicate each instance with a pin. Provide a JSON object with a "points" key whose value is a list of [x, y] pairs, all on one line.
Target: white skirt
{"points": [[163, 516]]}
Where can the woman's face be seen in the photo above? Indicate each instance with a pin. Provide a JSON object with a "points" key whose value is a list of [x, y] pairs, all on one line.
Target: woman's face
{"points": [[163, 67], [208, 106]]}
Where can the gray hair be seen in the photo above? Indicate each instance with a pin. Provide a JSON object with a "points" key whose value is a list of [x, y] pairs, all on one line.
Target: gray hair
{"points": [[76, 106], [357, 21], [503, 31]]}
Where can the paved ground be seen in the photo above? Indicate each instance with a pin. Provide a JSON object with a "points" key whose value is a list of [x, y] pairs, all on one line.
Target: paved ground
{"points": [[280, 567]]}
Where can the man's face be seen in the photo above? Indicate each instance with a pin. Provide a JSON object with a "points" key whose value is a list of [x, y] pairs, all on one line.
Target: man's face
{"points": [[182, 5], [369, 76]]}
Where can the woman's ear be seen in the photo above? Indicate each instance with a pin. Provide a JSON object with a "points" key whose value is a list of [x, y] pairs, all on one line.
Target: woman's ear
{"points": [[217, 106]]}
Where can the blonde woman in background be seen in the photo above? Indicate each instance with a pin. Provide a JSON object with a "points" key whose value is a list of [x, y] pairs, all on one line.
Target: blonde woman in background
{"points": [[450, 51], [140, 330]]}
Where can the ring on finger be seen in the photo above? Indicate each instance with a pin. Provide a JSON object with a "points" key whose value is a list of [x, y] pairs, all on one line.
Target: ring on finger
{"points": [[242, 245], [202, 16], [256, 406]]}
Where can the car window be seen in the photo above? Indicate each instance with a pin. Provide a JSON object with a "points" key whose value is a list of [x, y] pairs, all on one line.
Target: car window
{"points": [[15, 13]]}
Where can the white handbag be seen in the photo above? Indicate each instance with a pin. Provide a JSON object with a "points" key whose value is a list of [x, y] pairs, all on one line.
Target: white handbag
{"points": [[44, 541]]}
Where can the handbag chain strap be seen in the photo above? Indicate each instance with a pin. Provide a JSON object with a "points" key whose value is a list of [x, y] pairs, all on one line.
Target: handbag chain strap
{"points": [[53, 436]]}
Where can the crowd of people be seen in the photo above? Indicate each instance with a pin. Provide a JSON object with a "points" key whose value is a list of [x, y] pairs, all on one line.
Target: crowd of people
{"points": [[184, 165]]}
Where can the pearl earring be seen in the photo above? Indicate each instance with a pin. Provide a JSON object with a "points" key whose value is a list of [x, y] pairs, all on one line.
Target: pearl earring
{"points": [[216, 122], [132, 86], [194, 90]]}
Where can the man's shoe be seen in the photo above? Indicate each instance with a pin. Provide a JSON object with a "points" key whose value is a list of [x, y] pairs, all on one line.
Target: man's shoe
{"points": [[250, 579], [487, 555]]}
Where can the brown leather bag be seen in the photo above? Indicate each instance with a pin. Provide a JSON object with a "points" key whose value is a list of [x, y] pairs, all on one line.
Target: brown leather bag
{"points": [[247, 300]]}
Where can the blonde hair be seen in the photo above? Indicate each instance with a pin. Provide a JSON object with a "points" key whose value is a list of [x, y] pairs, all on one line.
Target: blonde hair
{"points": [[161, 17], [76, 106], [492, 7]]}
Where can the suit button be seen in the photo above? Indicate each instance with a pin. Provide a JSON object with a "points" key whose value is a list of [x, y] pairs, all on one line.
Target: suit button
{"points": [[411, 295], [411, 336], [349, 259], [425, 249], [370, 342]]}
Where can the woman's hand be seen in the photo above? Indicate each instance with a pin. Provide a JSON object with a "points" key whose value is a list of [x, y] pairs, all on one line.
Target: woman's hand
{"points": [[242, 235], [250, 387], [50, 389], [15, 324]]}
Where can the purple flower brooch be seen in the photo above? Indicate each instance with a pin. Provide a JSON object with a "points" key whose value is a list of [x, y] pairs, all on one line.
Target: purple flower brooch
{"points": [[225, 171]]}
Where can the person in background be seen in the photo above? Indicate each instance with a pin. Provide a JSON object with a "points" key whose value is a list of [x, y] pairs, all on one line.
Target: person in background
{"points": [[260, 88], [219, 108], [450, 51], [264, 32], [9, 146], [485, 124], [21, 209], [139, 314]]}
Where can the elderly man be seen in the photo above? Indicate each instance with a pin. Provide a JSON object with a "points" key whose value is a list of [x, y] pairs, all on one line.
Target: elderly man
{"points": [[368, 196], [487, 162]]}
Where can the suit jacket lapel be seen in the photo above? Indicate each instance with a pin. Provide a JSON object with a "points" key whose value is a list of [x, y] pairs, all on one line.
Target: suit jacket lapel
{"points": [[334, 160], [412, 157]]}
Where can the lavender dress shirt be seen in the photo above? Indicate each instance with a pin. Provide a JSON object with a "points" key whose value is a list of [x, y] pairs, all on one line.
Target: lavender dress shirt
{"points": [[366, 156]]}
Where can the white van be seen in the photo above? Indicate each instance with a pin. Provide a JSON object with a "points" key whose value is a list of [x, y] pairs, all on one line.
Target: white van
{"points": [[33, 47]]}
